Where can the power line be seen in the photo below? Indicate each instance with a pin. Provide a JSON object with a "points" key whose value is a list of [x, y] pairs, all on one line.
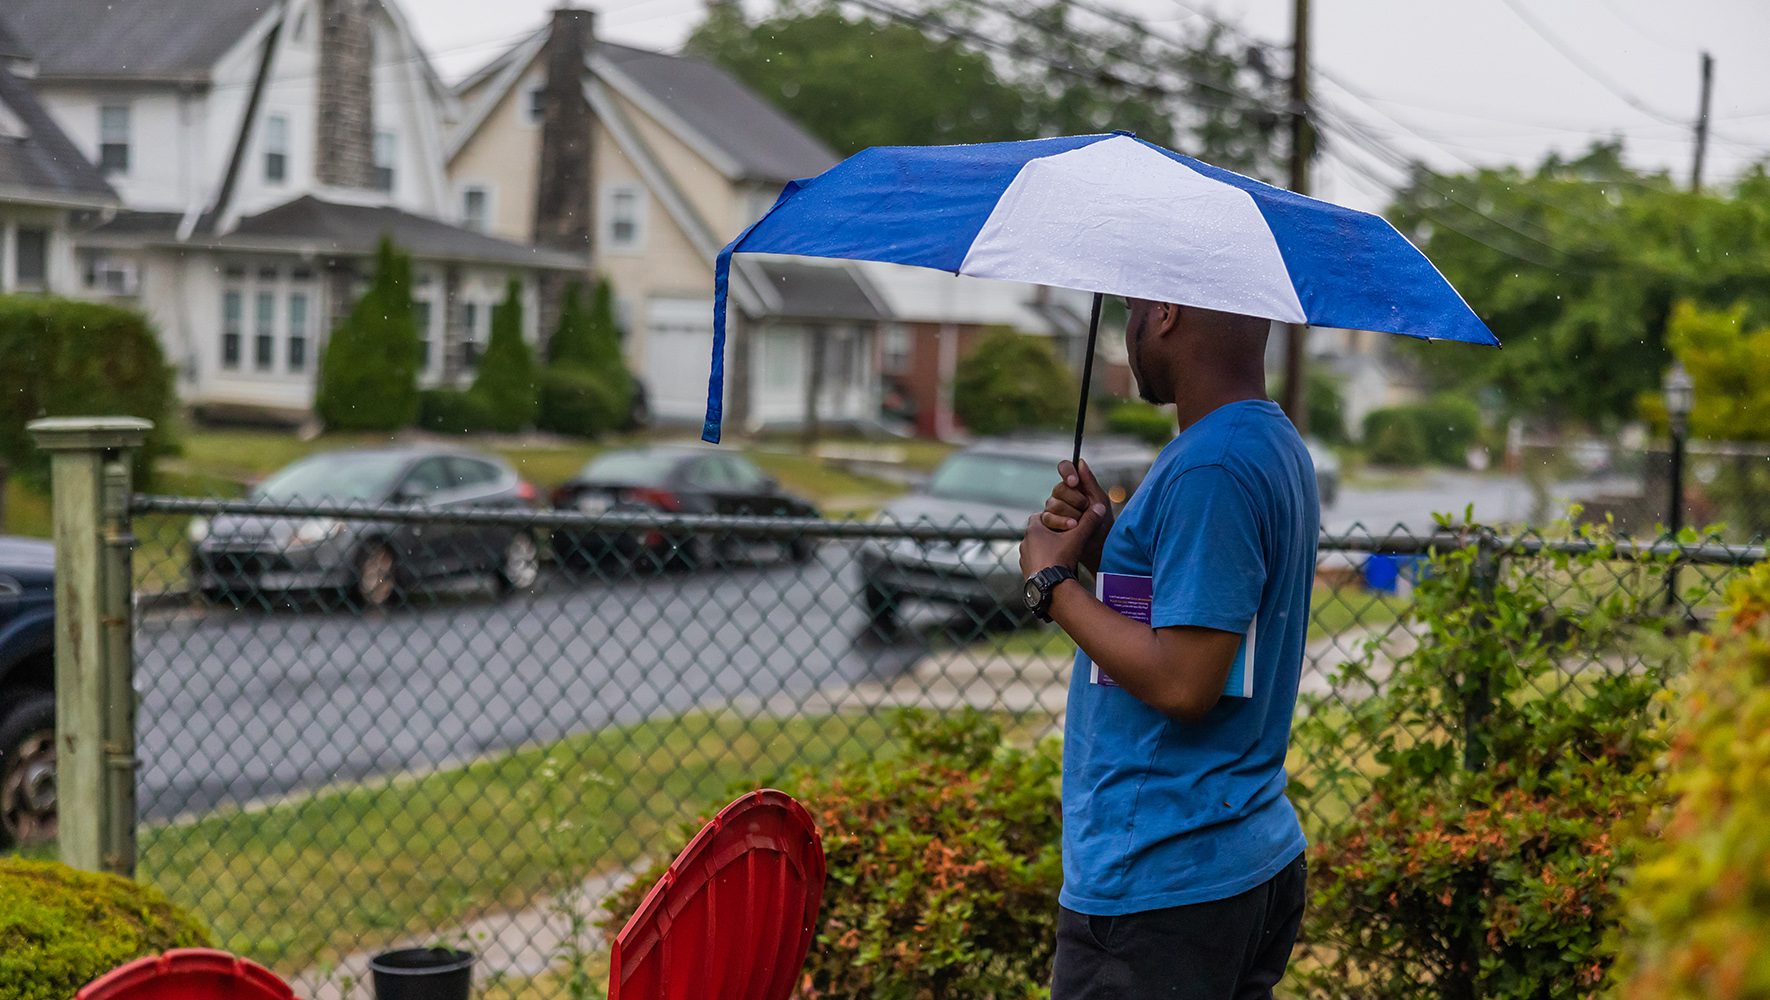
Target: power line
{"points": [[1586, 67]]}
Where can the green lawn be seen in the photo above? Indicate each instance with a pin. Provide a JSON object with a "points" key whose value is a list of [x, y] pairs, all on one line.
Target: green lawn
{"points": [[327, 874]]}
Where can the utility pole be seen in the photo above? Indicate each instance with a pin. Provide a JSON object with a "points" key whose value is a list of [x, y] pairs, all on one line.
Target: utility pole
{"points": [[1702, 121], [1302, 146]]}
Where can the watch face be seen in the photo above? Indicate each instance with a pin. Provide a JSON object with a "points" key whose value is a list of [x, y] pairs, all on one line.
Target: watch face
{"points": [[1032, 595]]}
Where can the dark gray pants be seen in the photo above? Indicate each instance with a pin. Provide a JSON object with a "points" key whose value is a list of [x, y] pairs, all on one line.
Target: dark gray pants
{"points": [[1227, 949]]}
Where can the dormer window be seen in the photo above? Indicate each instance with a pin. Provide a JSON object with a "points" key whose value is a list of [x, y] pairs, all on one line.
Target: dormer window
{"points": [[113, 138], [536, 108], [386, 152]]}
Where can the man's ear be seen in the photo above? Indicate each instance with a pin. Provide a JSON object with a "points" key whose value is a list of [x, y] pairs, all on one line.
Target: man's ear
{"points": [[1166, 319]]}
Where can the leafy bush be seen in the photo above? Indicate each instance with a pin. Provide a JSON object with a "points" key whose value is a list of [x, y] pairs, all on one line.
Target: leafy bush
{"points": [[1441, 429], [60, 358], [60, 928], [1142, 421], [368, 377], [453, 411], [1503, 762], [1010, 382], [1698, 903], [579, 402], [506, 382], [943, 868]]}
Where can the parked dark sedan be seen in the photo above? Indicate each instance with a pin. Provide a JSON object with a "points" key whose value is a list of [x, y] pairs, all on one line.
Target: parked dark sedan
{"points": [[27, 691], [235, 556], [674, 479]]}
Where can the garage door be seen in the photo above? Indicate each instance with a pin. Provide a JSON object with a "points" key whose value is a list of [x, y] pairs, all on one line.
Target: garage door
{"points": [[678, 351]]}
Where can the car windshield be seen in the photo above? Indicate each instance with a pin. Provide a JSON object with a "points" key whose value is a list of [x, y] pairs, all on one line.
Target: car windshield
{"points": [[994, 479], [342, 477], [639, 468]]}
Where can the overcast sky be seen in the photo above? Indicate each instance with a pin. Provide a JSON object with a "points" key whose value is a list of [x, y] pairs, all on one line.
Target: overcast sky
{"points": [[1455, 82]]}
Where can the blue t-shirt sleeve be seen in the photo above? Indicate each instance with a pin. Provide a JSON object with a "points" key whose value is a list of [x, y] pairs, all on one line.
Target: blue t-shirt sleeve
{"points": [[1208, 565]]}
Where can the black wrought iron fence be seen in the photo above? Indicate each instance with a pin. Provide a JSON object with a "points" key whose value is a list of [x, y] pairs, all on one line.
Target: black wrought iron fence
{"points": [[360, 728]]}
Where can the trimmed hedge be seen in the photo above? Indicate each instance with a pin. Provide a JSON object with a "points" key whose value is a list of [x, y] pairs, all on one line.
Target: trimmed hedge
{"points": [[61, 928], [1142, 421], [1698, 903], [368, 377], [581, 403], [453, 411], [61, 358], [1011, 382], [1441, 429], [943, 867]]}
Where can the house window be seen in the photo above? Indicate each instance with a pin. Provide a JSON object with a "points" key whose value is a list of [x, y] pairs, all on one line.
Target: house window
{"points": [[421, 309], [626, 218], [264, 341], [470, 343], [896, 360], [297, 331], [276, 149], [109, 275], [113, 138], [233, 317], [474, 208], [31, 267], [386, 147], [536, 108]]}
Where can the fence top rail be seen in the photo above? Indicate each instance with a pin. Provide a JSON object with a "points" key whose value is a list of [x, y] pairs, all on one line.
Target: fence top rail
{"points": [[1358, 539]]}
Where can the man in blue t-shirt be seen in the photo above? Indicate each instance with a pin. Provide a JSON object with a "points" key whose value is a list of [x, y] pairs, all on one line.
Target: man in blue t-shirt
{"points": [[1183, 861]]}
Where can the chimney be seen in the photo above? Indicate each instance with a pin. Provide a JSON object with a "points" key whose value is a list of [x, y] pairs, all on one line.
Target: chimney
{"points": [[345, 154], [562, 191]]}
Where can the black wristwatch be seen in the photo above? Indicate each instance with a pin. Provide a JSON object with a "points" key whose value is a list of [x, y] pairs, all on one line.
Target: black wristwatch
{"points": [[1040, 586]]}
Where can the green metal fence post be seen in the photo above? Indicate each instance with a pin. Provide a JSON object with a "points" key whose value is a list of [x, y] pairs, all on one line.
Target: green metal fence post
{"points": [[1478, 703], [94, 685]]}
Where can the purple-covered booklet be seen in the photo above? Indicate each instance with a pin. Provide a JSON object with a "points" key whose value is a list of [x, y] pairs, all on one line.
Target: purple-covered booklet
{"points": [[1132, 596]]}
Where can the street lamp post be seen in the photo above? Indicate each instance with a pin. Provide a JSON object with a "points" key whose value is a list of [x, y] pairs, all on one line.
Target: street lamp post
{"points": [[1680, 396]]}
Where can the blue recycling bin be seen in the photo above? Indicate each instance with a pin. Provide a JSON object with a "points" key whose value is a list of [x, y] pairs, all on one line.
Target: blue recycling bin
{"points": [[1384, 573]]}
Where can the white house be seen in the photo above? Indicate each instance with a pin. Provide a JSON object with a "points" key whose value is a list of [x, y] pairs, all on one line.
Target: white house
{"points": [[44, 182], [262, 148]]}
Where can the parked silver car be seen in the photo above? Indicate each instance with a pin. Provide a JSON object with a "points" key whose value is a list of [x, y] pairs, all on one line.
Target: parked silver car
{"points": [[997, 482], [236, 556]]}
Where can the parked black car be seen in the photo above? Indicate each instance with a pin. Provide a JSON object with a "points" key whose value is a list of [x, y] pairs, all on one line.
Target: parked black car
{"points": [[675, 479], [27, 691], [239, 556]]}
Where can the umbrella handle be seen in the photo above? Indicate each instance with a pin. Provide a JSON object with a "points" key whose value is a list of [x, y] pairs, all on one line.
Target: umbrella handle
{"points": [[1087, 375]]}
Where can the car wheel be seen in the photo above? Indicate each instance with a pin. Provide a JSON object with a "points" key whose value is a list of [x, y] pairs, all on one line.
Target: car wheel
{"points": [[521, 566], [801, 550], [688, 552], [880, 606], [27, 772], [377, 576]]}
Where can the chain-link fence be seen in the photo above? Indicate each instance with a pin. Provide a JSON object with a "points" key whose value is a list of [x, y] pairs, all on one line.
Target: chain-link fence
{"points": [[364, 728]]}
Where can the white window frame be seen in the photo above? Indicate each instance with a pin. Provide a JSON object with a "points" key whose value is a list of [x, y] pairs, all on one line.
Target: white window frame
{"points": [[276, 149], [107, 136], [611, 193], [487, 211], [386, 157]]}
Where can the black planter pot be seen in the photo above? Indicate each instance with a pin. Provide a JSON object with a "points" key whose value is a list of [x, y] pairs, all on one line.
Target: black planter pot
{"points": [[423, 974]]}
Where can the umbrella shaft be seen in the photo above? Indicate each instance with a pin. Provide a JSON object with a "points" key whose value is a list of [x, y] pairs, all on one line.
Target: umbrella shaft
{"points": [[1087, 374]]}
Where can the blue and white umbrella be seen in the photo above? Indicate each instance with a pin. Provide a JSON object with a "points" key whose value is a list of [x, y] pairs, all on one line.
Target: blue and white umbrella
{"points": [[1110, 214]]}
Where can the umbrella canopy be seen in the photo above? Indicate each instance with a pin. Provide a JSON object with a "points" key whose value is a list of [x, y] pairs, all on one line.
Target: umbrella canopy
{"points": [[1110, 214]]}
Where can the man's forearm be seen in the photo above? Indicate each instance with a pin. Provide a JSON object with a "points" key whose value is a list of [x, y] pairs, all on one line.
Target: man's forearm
{"points": [[1153, 667]]}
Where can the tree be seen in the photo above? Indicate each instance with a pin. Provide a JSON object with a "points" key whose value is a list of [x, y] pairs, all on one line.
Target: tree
{"points": [[506, 382], [1575, 266], [1729, 367], [980, 71], [368, 376], [1011, 382], [587, 389]]}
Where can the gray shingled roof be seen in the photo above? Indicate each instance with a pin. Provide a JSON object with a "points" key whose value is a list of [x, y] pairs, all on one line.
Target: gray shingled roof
{"points": [[10, 46], [821, 291], [44, 164], [132, 39], [760, 138], [356, 229]]}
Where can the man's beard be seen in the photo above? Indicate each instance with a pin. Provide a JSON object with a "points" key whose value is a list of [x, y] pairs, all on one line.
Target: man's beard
{"points": [[1135, 359]]}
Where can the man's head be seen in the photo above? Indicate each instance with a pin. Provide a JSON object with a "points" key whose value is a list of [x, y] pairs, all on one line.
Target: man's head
{"points": [[1179, 350]]}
